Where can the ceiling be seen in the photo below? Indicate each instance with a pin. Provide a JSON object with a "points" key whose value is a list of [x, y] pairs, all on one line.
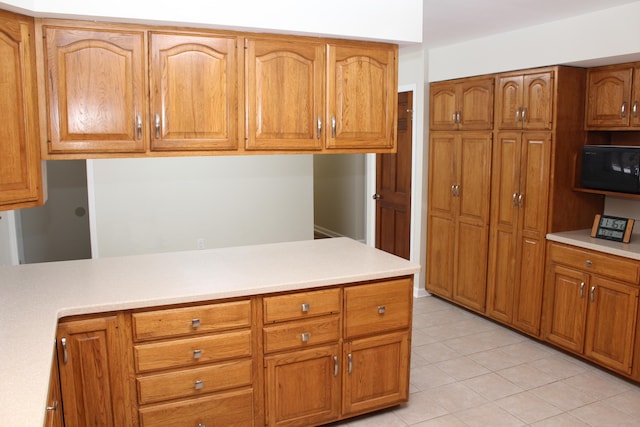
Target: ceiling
{"points": [[453, 21]]}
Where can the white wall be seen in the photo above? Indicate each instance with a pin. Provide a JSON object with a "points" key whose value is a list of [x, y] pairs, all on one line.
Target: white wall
{"points": [[367, 19], [7, 227], [165, 204], [612, 33]]}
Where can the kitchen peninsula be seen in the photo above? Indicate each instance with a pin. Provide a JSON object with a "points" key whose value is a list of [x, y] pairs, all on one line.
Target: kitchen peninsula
{"points": [[34, 298]]}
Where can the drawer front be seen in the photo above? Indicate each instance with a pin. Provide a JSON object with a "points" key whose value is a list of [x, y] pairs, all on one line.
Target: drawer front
{"points": [[602, 264], [301, 334], [377, 307], [191, 320], [192, 351], [301, 305], [194, 382], [220, 410]]}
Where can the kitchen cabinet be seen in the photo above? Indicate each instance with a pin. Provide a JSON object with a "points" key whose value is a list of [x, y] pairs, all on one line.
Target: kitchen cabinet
{"points": [[591, 305], [21, 182], [519, 206], [54, 417], [458, 216], [525, 100], [193, 91], [612, 97], [94, 370], [462, 104]]}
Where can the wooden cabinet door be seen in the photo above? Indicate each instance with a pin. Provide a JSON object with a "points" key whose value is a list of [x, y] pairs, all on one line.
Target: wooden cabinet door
{"points": [[376, 372], [473, 170], [566, 307], [93, 373], [362, 96], [193, 92], [53, 417], [635, 98], [509, 102], [475, 104], [608, 97], [284, 107], [303, 388], [443, 106], [537, 101], [20, 169], [95, 90], [611, 326]]}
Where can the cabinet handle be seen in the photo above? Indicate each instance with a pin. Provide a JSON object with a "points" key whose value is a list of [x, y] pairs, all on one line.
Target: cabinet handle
{"points": [[53, 407], [305, 307], [588, 263], [592, 293], [333, 126], [335, 366], [524, 114], [459, 117], [195, 323], [581, 290], [381, 309], [454, 117], [514, 199], [305, 336], [520, 200], [198, 385], [197, 354], [634, 109], [623, 110], [157, 126], [453, 190], [349, 363], [138, 126], [201, 425], [65, 355], [517, 115], [319, 127]]}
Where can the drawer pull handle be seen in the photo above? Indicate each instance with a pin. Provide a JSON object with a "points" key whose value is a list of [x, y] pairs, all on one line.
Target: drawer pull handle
{"points": [[65, 353], [305, 336], [349, 363], [335, 366], [305, 307], [581, 290], [592, 292], [197, 354], [201, 425], [198, 385], [588, 263], [381, 309], [195, 323]]}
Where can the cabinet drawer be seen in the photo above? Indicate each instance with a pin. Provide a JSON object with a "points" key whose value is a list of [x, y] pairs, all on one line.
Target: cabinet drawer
{"points": [[192, 351], [191, 320], [221, 410], [301, 334], [377, 307], [595, 262], [301, 304], [194, 382]]}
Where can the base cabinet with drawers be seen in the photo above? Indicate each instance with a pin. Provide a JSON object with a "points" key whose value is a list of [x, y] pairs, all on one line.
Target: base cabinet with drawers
{"points": [[297, 358]]}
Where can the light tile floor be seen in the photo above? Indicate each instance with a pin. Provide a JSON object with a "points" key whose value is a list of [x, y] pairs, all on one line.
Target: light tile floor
{"points": [[469, 371]]}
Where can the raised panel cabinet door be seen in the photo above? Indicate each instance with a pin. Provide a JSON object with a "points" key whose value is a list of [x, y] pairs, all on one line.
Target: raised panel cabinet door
{"points": [[376, 372], [362, 97], [635, 98], [193, 92], [302, 388], [476, 104], [566, 307], [608, 97], [285, 83], [95, 90], [611, 325], [537, 101], [473, 170], [509, 102], [440, 250], [20, 168], [443, 106]]}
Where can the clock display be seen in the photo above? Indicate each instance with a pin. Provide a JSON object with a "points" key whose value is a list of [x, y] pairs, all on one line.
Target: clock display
{"points": [[612, 228], [613, 223]]}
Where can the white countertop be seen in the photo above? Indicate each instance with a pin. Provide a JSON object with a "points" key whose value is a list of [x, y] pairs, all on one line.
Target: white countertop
{"points": [[583, 239], [33, 297]]}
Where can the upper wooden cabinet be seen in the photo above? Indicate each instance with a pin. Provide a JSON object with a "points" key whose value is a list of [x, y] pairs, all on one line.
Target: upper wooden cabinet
{"points": [[613, 93], [463, 104], [524, 100], [95, 90], [20, 169], [193, 92]]}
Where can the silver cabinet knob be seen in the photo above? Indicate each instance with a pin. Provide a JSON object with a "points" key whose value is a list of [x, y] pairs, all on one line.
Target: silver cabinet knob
{"points": [[197, 354], [588, 263], [305, 336], [382, 309], [198, 385], [195, 323], [305, 307]]}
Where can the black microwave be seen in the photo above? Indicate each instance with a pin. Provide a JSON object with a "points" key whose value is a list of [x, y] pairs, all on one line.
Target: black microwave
{"points": [[611, 168]]}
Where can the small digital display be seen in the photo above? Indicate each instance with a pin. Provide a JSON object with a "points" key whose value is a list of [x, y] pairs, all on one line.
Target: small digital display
{"points": [[612, 228]]}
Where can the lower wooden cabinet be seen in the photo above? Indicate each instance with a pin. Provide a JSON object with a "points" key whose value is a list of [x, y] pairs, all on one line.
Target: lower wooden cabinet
{"points": [[590, 314], [54, 417]]}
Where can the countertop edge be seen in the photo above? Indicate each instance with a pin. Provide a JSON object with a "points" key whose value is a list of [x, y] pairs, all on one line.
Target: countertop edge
{"points": [[583, 239]]}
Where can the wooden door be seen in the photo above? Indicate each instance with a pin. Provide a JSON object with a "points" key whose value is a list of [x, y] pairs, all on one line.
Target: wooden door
{"points": [[95, 90], [475, 104], [443, 106], [442, 212], [193, 92], [285, 91], [20, 169], [611, 325], [608, 97], [473, 172], [566, 307], [537, 101], [635, 98], [94, 373], [303, 388], [361, 96], [376, 372], [509, 101], [393, 187]]}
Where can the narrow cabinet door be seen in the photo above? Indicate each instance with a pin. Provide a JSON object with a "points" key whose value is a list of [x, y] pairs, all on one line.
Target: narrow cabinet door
{"points": [[509, 102], [608, 97], [362, 96], [443, 108], [194, 92], [95, 90], [285, 91], [537, 104]]}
